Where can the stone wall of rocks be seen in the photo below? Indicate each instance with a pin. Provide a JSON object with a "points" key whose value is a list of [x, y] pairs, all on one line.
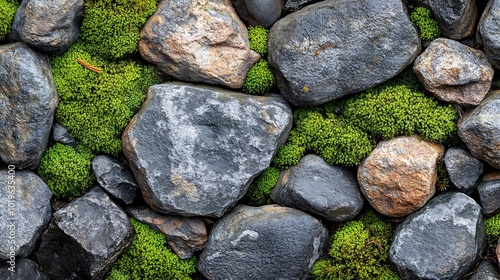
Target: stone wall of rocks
{"points": [[196, 145]]}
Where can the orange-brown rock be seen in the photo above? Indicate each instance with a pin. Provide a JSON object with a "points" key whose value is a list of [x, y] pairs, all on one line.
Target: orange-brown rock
{"points": [[399, 176]]}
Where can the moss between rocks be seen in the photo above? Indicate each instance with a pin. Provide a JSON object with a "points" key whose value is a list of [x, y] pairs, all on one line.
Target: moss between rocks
{"points": [[260, 189], [260, 79], [8, 10], [427, 26], [492, 226], [258, 37]]}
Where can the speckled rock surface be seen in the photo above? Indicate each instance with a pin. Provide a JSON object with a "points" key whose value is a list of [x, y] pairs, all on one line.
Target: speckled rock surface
{"points": [[62, 135], [24, 269], [489, 193], [486, 271], [114, 177], [463, 169], [488, 30]]}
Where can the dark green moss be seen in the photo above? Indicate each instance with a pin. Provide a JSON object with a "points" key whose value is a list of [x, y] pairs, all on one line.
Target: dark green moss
{"points": [[260, 189], [492, 226]]}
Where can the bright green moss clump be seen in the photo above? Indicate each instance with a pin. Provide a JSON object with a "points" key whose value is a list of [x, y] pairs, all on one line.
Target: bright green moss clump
{"points": [[258, 36], [96, 107], [427, 26], [67, 171], [8, 10], [492, 226], [360, 250], [110, 28], [259, 191], [260, 79], [149, 259]]}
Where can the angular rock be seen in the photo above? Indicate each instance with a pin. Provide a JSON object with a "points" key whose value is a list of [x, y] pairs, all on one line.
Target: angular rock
{"points": [[195, 150], [24, 212], [443, 240], [28, 100], [85, 238], [198, 41], [486, 271], [456, 18], [334, 48], [489, 193], [268, 242], [24, 269], [115, 178], [488, 30], [399, 176], [259, 12], [454, 72], [464, 169], [480, 130], [51, 26], [185, 235], [317, 187], [62, 135]]}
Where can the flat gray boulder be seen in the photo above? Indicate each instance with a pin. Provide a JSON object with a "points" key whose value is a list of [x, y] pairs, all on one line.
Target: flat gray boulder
{"points": [[195, 150], [334, 48]]}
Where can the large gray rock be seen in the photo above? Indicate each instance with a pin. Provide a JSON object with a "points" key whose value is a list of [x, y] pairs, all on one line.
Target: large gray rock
{"points": [[195, 150], [115, 178], [48, 25], [489, 193], [268, 242], [463, 169], [28, 100], [84, 238], [480, 130], [315, 186], [24, 212], [198, 41], [334, 48], [486, 271], [488, 30], [443, 240], [454, 72], [456, 18], [259, 12], [62, 135], [23, 269]]}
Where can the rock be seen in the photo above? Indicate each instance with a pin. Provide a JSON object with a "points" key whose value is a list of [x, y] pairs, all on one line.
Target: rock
{"points": [[195, 150], [334, 48], [487, 32], [28, 100], [51, 26], [443, 240], [295, 5], [456, 18], [115, 178], [198, 41], [480, 130], [268, 242], [185, 235], [464, 169], [259, 12], [24, 212], [84, 238], [399, 176], [62, 135], [314, 186], [24, 269], [454, 72], [489, 193], [486, 271]]}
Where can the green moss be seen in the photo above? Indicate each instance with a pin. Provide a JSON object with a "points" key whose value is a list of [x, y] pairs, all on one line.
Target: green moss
{"points": [[492, 226], [260, 79], [443, 181], [110, 28], [96, 107], [8, 10], [260, 189], [258, 36], [149, 259], [67, 171], [427, 26], [360, 250]]}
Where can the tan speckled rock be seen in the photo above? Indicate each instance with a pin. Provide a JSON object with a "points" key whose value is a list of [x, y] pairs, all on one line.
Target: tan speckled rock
{"points": [[399, 176]]}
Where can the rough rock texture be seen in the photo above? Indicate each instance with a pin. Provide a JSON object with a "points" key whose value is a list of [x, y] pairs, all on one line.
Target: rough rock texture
{"points": [[115, 178], [268, 242], [480, 130], [456, 18], [454, 72], [215, 52], [24, 212], [185, 235], [48, 25], [463, 169], [443, 240], [84, 238], [259, 12], [62, 135], [334, 48], [315, 186], [24, 269], [295, 5], [399, 176], [195, 150], [488, 30], [489, 193], [486, 271], [28, 100]]}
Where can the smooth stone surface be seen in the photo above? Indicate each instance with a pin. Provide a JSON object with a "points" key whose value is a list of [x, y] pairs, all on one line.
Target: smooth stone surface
{"points": [[259, 12], [315, 186], [486, 271], [488, 30], [24, 269], [115, 178], [28, 99], [62, 135], [489, 193], [463, 169]]}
